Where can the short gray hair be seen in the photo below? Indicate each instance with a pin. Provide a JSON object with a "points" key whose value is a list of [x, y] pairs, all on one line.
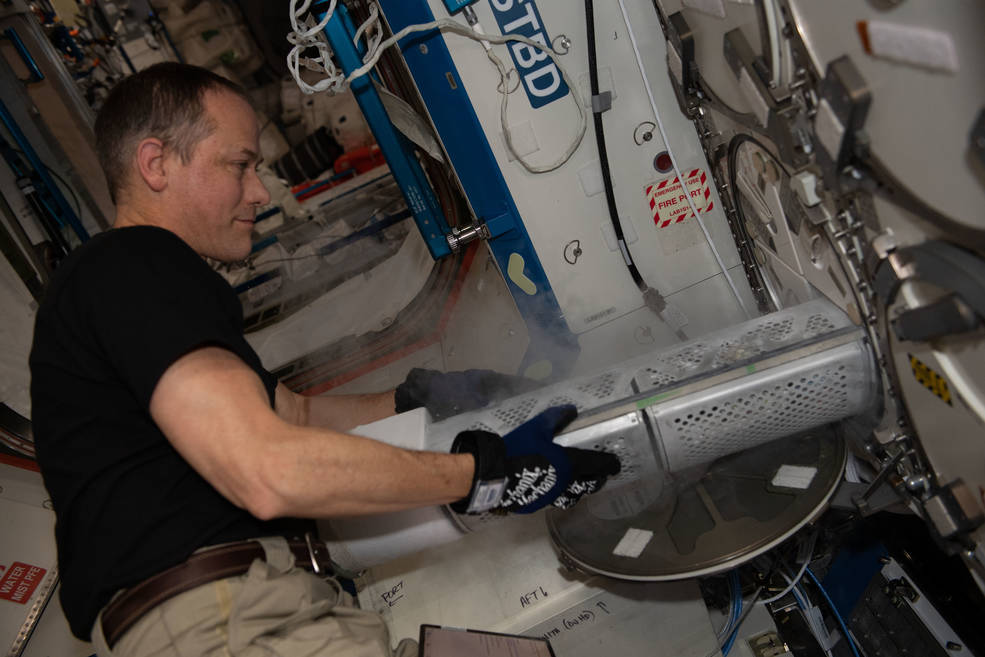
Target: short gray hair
{"points": [[163, 101]]}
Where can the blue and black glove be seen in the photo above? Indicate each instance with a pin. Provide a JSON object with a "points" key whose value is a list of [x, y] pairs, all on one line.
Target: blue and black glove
{"points": [[525, 470], [445, 394]]}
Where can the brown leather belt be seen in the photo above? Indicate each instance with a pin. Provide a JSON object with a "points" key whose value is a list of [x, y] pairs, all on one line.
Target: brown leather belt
{"points": [[202, 567]]}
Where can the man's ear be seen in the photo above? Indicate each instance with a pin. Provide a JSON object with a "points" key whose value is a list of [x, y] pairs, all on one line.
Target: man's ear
{"points": [[151, 163]]}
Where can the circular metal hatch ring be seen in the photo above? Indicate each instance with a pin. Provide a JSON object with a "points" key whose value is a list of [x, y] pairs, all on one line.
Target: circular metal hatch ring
{"points": [[709, 521]]}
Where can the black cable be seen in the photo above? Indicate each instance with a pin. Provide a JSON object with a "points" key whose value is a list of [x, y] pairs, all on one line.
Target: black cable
{"points": [[610, 196]]}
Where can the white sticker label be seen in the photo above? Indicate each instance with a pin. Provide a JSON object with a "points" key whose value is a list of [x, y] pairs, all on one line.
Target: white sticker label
{"points": [[794, 476], [633, 542], [487, 495]]}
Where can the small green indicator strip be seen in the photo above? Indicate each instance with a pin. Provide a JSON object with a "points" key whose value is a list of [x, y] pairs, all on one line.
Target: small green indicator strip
{"points": [[649, 401]]}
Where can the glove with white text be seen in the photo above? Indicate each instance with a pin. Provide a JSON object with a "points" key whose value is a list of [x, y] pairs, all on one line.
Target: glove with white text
{"points": [[526, 470]]}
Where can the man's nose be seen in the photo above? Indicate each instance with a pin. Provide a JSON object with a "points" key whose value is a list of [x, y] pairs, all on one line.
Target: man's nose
{"points": [[257, 193]]}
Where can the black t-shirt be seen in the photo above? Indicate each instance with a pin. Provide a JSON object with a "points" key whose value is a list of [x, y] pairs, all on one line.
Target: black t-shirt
{"points": [[120, 310]]}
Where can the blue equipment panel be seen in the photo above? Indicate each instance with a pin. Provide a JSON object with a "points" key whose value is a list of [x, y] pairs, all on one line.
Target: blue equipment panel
{"points": [[51, 194], [552, 344], [404, 166], [538, 73]]}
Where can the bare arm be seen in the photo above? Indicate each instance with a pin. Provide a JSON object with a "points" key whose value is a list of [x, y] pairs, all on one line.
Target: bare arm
{"points": [[339, 412], [214, 410]]}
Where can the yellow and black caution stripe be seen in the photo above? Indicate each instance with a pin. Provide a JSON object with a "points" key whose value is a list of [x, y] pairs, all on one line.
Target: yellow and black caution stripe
{"points": [[930, 379]]}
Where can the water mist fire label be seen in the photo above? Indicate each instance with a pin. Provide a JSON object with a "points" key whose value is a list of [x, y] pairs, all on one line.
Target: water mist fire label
{"points": [[19, 582]]}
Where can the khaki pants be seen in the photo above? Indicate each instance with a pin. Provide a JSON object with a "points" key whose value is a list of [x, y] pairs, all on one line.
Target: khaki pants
{"points": [[274, 610]]}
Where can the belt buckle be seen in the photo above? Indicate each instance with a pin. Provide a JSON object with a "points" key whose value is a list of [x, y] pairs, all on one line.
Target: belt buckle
{"points": [[321, 564]]}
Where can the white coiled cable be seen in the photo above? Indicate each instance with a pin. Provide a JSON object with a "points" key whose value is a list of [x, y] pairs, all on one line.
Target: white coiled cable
{"points": [[309, 34]]}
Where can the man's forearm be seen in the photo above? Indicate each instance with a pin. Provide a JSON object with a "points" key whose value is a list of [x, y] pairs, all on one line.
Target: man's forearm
{"points": [[343, 412], [318, 473], [215, 411]]}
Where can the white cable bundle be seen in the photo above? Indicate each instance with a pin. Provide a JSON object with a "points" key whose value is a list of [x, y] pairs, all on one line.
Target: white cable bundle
{"points": [[306, 35]]}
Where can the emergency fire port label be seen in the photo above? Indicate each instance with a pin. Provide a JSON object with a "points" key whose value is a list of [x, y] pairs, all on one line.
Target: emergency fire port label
{"points": [[19, 582], [669, 205]]}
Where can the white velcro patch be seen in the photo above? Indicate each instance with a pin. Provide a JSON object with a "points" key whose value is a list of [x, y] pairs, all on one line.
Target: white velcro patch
{"points": [[794, 476], [633, 542]]}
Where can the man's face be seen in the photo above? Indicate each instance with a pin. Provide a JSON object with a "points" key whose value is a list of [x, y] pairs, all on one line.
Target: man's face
{"points": [[216, 193]]}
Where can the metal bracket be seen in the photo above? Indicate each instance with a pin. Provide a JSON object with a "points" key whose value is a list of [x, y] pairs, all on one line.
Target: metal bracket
{"points": [[404, 167], [602, 102], [952, 510], [847, 496], [680, 54], [777, 114], [460, 237], [844, 105], [946, 266], [948, 316], [862, 501], [741, 58]]}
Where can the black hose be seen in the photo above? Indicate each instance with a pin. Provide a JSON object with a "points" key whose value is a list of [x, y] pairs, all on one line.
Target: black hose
{"points": [[610, 196]]}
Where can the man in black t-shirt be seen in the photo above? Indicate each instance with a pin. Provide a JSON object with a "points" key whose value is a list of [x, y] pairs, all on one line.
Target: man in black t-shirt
{"points": [[160, 433]]}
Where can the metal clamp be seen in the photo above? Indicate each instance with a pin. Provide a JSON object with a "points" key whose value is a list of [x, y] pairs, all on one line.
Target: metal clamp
{"points": [[460, 237], [861, 502], [953, 510], [957, 271]]}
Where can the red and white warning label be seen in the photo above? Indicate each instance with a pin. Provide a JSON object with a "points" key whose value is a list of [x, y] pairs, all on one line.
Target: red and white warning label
{"points": [[19, 582], [668, 203]]}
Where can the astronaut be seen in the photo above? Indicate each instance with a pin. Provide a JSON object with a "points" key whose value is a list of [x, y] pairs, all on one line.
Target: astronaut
{"points": [[180, 470]]}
